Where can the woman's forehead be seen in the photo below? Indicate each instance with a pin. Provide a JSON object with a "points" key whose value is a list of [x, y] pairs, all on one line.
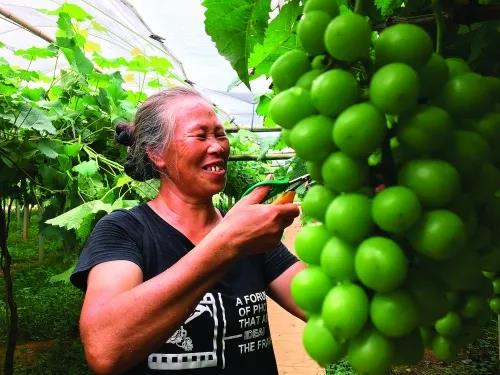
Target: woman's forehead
{"points": [[189, 104], [190, 110]]}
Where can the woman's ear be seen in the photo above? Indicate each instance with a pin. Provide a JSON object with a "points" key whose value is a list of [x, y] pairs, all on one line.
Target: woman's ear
{"points": [[156, 158]]}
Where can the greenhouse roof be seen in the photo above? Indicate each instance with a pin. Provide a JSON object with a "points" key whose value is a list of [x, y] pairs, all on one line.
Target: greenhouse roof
{"points": [[173, 30]]}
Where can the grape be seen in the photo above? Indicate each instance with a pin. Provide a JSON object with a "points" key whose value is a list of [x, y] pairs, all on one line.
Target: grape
{"points": [[394, 88], [288, 68], [435, 182], [433, 75], [359, 130], [291, 106], [466, 95], [403, 43], [349, 217], [457, 66], [380, 264], [439, 235], [348, 37], [328, 6], [311, 137], [396, 209], [310, 31], [342, 173], [425, 130], [394, 313], [305, 81], [316, 201], [334, 91]]}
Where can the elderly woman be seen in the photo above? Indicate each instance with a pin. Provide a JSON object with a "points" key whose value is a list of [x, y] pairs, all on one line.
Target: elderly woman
{"points": [[174, 284]]}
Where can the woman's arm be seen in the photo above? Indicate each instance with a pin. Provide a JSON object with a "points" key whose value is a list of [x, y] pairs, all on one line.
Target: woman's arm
{"points": [[279, 290], [123, 319]]}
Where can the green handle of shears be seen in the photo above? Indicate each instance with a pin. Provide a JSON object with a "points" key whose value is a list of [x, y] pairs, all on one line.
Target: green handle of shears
{"points": [[278, 186]]}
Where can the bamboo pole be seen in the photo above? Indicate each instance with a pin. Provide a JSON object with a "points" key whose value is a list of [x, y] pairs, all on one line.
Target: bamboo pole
{"points": [[281, 156], [254, 130], [25, 25], [31, 28]]}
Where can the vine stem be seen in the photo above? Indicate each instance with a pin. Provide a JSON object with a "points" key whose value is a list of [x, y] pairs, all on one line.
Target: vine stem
{"points": [[358, 6], [438, 15]]}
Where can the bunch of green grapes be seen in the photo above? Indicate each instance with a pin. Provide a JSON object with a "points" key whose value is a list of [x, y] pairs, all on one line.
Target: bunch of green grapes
{"points": [[397, 248]]}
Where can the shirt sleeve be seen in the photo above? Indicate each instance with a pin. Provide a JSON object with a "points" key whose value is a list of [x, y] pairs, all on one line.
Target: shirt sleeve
{"points": [[277, 261], [114, 238]]}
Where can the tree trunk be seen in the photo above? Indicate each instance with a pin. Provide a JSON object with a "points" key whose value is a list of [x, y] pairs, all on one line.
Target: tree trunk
{"points": [[41, 238], [26, 221], [41, 248], [5, 262], [18, 212]]}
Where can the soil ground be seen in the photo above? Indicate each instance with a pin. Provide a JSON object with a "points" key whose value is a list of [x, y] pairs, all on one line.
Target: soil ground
{"points": [[286, 331]]}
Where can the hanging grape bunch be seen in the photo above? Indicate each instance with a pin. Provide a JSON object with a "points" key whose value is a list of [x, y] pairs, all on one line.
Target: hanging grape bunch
{"points": [[401, 143]]}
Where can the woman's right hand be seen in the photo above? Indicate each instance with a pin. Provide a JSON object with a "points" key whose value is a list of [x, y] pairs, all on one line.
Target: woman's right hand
{"points": [[251, 227]]}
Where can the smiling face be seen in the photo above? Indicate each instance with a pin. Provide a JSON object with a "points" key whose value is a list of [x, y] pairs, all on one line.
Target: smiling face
{"points": [[196, 158]]}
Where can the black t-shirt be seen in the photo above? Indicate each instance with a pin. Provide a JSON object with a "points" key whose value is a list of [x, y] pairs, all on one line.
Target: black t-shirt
{"points": [[228, 331]]}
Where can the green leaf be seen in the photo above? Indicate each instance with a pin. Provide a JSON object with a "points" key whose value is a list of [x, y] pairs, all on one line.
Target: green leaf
{"points": [[63, 276], [123, 180], [75, 217], [64, 162], [139, 64], [72, 149], [34, 94], [98, 27], [46, 147], [160, 64], [36, 52], [147, 190], [387, 7], [86, 168], [75, 55], [34, 119], [73, 10], [278, 39], [263, 106], [154, 83], [103, 99], [64, 28], [235, 27], [104, 62], [124, 203]]}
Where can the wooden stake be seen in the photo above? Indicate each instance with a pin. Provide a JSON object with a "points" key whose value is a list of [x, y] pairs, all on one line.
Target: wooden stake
{"points": [[26, 221]]}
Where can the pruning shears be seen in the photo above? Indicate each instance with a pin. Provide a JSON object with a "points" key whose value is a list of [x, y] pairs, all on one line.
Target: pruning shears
{"points": [[279, 186]]}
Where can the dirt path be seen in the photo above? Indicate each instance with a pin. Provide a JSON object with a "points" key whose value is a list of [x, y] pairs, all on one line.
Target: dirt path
{"points": [[286, 331]]}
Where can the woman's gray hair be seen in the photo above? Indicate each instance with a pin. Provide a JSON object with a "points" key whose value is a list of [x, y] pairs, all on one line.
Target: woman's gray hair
{"points": [[153, 131]]}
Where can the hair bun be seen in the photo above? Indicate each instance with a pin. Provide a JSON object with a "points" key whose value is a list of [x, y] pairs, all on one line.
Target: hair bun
{"points": [[124, 133]]}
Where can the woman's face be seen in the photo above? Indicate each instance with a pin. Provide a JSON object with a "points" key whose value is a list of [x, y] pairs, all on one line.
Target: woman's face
{"points": [[196, 159]]}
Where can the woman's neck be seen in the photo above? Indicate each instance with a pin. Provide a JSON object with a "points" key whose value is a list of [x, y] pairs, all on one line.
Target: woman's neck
{"points": [[193, 216]]}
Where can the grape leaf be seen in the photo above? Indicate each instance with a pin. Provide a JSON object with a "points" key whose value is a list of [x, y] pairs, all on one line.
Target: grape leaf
{"points": [[124, 203], [160, 64], [86, 168], [123, 180], [387, 7], [278, 39], [33, 118], [235, 27], [73, 10], [36, 52], [46, 148], [63, 276], [75, 217]]}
